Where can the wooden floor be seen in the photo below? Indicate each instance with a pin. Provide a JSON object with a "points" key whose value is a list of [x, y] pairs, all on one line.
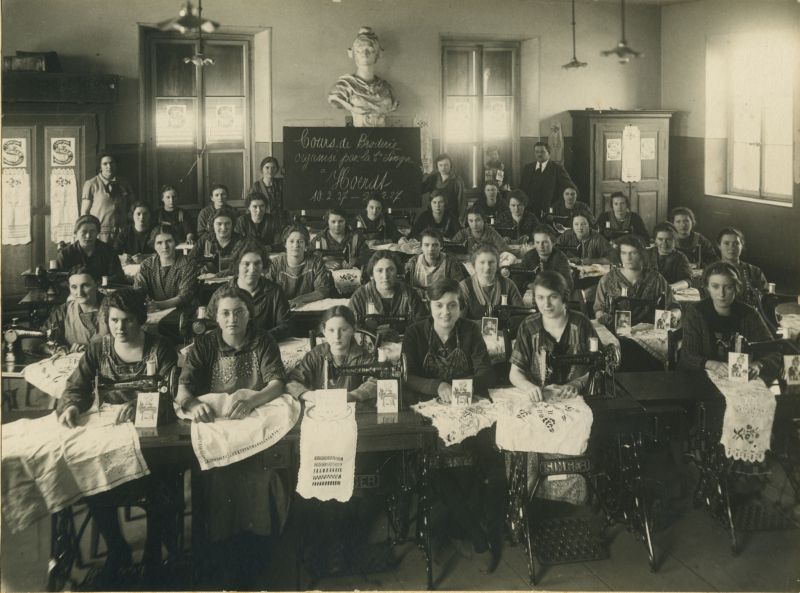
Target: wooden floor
{"points": [[694, 551]]}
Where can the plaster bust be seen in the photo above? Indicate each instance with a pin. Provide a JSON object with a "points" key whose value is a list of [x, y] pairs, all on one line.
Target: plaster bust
{"points": [[367, 97]]}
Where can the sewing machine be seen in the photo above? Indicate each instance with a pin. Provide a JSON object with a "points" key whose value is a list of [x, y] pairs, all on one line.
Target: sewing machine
{"points": [[454, 247], [600, 363], [379, 370], [202, 324], [342, 254], [166, 387], [519, 271], [12, 335]]}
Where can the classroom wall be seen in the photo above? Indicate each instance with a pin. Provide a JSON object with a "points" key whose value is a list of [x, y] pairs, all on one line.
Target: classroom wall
{"points": [[685, 29], [310, 38]]}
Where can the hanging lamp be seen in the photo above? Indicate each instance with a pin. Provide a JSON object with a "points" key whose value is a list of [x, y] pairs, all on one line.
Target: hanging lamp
{"points": [[191, 19], [574, 62], [622, 50]]}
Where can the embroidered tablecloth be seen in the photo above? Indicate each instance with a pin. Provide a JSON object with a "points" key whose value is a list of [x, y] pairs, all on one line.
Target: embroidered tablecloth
{"points": [[456, 423], [320, 305], [47, 466], [50, 375]]}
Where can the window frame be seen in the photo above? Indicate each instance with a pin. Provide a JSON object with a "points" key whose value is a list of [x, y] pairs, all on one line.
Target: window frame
{"points": [[516, 88], [201, 148]]}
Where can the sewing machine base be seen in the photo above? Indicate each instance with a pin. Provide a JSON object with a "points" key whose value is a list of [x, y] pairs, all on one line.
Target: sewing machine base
{"points": [[568, 539]]}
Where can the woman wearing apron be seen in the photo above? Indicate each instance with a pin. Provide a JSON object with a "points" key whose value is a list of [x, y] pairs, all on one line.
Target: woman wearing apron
{"points": [[246, 501], [438, 350], [76, 322], [486, 287]]}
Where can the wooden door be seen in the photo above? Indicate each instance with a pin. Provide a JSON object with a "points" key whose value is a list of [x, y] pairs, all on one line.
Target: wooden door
{"points": [[648, 197]]}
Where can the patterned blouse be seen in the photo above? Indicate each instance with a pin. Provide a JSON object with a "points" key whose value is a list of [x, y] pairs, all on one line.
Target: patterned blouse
{"points": [[167, 282], [650, 287], [310, 276]]}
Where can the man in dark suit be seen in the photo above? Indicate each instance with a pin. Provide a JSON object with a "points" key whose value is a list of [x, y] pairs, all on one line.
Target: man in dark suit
{"points": [[543, 180]]}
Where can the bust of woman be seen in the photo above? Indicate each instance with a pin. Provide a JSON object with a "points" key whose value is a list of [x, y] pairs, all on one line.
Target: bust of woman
{"points": [[367, 97]]}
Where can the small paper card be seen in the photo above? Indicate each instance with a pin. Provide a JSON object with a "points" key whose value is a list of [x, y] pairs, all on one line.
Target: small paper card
{"points": [[330, 402], [462, 392], [791, 364], [388, 396], [489, 327], [146, 410], [622, 323], [663, 320], [738, 367]]}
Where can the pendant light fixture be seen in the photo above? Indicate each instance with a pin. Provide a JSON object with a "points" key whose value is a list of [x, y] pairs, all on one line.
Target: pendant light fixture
{"points": [[574, 62], [191, 19], [622, 50]]}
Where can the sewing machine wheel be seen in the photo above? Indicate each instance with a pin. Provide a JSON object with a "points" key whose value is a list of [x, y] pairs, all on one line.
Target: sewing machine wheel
{"points": [[403, 368], [171, 381], [612, 358], [10, 336]]}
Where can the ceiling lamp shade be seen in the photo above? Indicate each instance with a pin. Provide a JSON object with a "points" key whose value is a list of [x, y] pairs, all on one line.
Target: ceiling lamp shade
{"points": [[574, 62], [189, 19], [622, 50]]}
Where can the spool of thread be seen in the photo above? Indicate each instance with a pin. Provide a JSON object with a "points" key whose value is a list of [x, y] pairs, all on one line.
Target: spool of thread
{"points": [[608, 224], [551, 210], [371, 308], [201, 312], [771, 287], [104, 281], [594, 344], [52, 264], [624, 290], [302, 213], [503, 299], [151, 367], [389, 211]]}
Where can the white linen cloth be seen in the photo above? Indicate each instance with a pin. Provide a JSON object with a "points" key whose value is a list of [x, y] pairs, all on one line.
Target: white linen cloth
{"points": [[686, 295], [321, 305], [749, 413], [542, 427], [47, 466], [50, 375], [456, 423], [16, 228], [412, 247], [225, 441], [655, 342], [63, 204], [154, 317], [327, 456], [346, 281], [293, 350]]}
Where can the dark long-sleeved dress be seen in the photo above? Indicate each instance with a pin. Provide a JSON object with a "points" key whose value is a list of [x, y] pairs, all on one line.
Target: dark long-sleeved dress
{"points": [[310, 276], [161, 283], [405, 301], [673, 266], [522, 228], [479, 300], [178, 219], [309, 374], [557, 262], [132, 242], [271, 306], [221, 257], [632, 223], [266, 232], [383, 229], [650, 287], [104, 261], [698, 249], [453, 190], [448, 226]]}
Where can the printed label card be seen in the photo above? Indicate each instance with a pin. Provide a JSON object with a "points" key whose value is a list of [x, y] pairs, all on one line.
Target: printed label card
{"points": [[146, 410], [622, 323], [388, 396], [738, 367], [663, 320], [791, 364], [462, 392]]}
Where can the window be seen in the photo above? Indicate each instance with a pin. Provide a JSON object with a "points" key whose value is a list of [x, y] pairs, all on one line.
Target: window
{"points": [[749, 82], [198, 118], [481, 103]]}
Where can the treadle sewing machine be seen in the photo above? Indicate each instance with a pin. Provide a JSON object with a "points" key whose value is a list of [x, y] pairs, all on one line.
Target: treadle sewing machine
{"points": [[45, 289], [454, 248], [380, 322], [341, 254]]}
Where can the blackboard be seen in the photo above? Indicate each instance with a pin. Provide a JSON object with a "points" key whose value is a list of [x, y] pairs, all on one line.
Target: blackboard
{"points": [[337, 167]]}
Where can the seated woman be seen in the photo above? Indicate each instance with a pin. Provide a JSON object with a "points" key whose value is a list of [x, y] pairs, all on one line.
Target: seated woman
{"points": [[670, 263], [385, 294], [487, 287], [134, 239], [75, 323], [302, 275], [340, 348], [710, 327], [219, 197], [730, 241], [375, 224], [436, 217], [170, 214], [620, 220], [214, 252], [125, 354], [270, 306], [271, 186], [641, 281], [338, 236], [517, 217], [247, 501], [257, 224], [100, 259], [698, 249], [562, 212], [478, 232], [445, 183], [558, 331], [439, 349], [432, 264], [583, 245], [544, 256], [491, 204]]}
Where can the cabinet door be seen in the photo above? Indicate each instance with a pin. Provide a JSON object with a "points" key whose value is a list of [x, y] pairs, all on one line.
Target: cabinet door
{"points": [[648, 197], [18, 258]]}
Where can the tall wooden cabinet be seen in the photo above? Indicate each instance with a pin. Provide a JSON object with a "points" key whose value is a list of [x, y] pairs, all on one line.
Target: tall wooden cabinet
{"points": [[597, 162], [40, 107]]}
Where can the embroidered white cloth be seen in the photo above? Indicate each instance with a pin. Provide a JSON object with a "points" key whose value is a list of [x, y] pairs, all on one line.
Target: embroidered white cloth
{"points": [[592, 270], [293, 350], [749, 413], [347, 280], [321, 305], [63, 204], [211, 278], [225, 441], [47, 467], [655, 342], [51, 374], [542, 427], [686, 295], [456, 423], [412, 247], [130, 270], [327, 456], [16, 229]]}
